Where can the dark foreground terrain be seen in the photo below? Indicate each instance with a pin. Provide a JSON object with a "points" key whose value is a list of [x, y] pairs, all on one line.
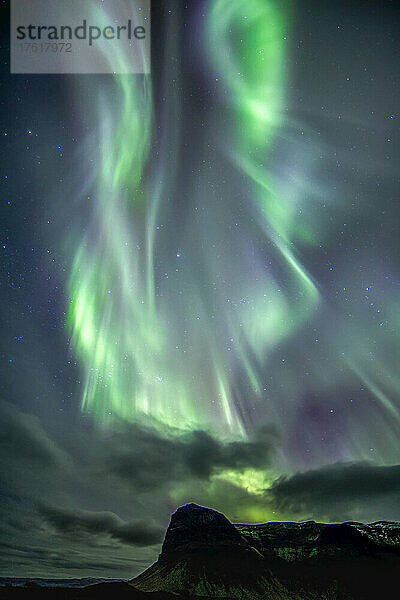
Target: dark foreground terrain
{"points": [[206, 556], [109, 591]]}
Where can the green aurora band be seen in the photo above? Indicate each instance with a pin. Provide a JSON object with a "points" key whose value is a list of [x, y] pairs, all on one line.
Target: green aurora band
{"points": [[199, 352], [249, 48], [117, 327]]}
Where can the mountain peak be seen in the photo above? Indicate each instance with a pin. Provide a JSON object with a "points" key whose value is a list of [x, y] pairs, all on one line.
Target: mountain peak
{"points": [[205, 555], [196, 528]]}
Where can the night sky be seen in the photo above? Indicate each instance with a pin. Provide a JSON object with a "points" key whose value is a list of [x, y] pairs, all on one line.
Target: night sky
{"points": [[200, 283]]}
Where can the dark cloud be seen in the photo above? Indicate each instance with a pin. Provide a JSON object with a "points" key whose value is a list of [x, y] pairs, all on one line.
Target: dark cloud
{"points": [[141, 457], [134, 469], [338, 489], [58, 559], [204, 455], [148, 459], [54, 552], [23, 439], [72, 521]]}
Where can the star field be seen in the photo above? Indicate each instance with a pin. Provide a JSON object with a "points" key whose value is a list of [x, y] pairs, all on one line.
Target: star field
{"points": [[200, 280]]}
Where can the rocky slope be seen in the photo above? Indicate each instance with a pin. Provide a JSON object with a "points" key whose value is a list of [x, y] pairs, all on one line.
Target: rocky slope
{"points": [[298, 541], [207, 556]]}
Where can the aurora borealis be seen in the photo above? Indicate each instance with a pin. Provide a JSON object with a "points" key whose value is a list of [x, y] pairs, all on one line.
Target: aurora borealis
{"points": [[124, 319], [202, 269]]}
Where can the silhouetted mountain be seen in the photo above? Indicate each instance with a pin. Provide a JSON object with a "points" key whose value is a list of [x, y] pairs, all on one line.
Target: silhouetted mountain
{"points": [[205, 555]]}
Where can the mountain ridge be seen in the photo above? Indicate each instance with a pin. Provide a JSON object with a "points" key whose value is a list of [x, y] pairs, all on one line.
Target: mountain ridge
{"points": [[206, 555]]}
